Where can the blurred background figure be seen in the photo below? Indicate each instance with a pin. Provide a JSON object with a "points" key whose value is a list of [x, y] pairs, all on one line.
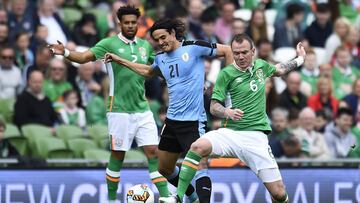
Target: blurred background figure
{"points": [[313, 144], [71, 114], [309, 74], [32, 106], [288, 32], [339, 137], [10, 75], [223, 25]]}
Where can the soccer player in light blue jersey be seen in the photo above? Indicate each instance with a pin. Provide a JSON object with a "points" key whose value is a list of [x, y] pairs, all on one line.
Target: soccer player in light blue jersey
{"points": [[181, 64]]}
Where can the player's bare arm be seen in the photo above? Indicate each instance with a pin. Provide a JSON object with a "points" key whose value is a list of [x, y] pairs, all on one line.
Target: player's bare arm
{"points": [[225, 51], [142, 69], [79, 57], [284, 68], [218, 110]]}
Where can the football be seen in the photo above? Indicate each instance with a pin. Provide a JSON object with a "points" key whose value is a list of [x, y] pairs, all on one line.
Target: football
{"points": [[140, 193]]}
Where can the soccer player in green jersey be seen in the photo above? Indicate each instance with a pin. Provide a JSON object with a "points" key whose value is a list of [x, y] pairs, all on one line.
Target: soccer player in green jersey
{"points": [[239, 98], [129, 116]]}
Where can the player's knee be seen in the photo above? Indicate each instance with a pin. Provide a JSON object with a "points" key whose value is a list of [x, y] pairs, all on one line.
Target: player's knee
{"points": [[201, 146], [118, 155], [164, 171], [150, 151], [279, 192]]}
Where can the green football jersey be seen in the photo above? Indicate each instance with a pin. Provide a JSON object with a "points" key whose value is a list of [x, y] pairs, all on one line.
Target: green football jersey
{"points": [[127, 91], [245, 91]]}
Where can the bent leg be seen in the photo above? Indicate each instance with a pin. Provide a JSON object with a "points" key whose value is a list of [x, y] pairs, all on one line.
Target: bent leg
{"points": [[200, 148], [159, 181], [274, 184], [113, 173]]}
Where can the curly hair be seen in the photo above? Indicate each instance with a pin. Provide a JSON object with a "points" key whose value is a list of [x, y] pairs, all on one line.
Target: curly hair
{"points": [[127, 10]]}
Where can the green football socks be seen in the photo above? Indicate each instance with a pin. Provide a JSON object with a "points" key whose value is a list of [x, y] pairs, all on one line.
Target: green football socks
{"points": [[157, 178], [113, 176]]}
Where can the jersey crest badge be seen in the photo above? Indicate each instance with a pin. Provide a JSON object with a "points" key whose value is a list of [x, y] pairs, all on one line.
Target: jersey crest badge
{"points": [[185, 56], [260, 75], [142, 52]]}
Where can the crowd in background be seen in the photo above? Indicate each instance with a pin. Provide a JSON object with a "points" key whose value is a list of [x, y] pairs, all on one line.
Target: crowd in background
{"points": [[314, 112]]}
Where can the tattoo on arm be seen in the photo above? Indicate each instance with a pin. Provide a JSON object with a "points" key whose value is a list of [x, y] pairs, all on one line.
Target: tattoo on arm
{"points": [[217, 109], [286, 67]]}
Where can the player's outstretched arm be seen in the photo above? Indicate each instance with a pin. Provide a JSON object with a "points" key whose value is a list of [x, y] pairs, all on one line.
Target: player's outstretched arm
{"points": [[283, 68], [79, 57], [225, 51], [142, 69], [218, 110]]}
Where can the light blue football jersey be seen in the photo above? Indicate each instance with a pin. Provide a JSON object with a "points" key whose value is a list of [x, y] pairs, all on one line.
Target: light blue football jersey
{"points": [[184, 72]]}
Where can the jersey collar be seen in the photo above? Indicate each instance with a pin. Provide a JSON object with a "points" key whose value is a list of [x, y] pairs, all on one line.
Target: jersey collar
{"points": [[125, 40], [250, 68]]}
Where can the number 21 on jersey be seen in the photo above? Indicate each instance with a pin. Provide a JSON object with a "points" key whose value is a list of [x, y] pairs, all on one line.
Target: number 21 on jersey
{"points": [[174, 70]]}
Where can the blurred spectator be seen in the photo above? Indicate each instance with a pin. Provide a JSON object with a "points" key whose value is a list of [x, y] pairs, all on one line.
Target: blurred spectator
{"points": [[323, 117], [291, 97], [7, 150], [352, 43], [4, 35], [24, 56], [71, 114], [337, 38], [289, 147], [10, 75], [313, 144], [99, 74], [56, 27], [321, 28], [223, 25], [272, 98], [293, 119], [325, 70], [257, 28], [86, 84], [3, 16], [353, 98], [208, 28], [40, 36], [238, 26], [42, 59], [344, 74], [32, 106], [279, 122], [85, 33], [21, 19], [265, 51], [112, 17], [348, 10], [309, 74], [323, 99], [144, 22], [339, 137], [55, 83], [195, 8], [287, 33]]}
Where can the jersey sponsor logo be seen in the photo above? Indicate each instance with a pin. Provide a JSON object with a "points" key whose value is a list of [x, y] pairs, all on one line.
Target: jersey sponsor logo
{"points": [[142, 52], [239, 80], [185, 56], [121, 50]]}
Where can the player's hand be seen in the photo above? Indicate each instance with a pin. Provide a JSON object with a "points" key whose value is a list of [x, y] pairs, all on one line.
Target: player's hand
{"points": [[234, 114], [300, 50], [109, 57], [57, 49]]}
